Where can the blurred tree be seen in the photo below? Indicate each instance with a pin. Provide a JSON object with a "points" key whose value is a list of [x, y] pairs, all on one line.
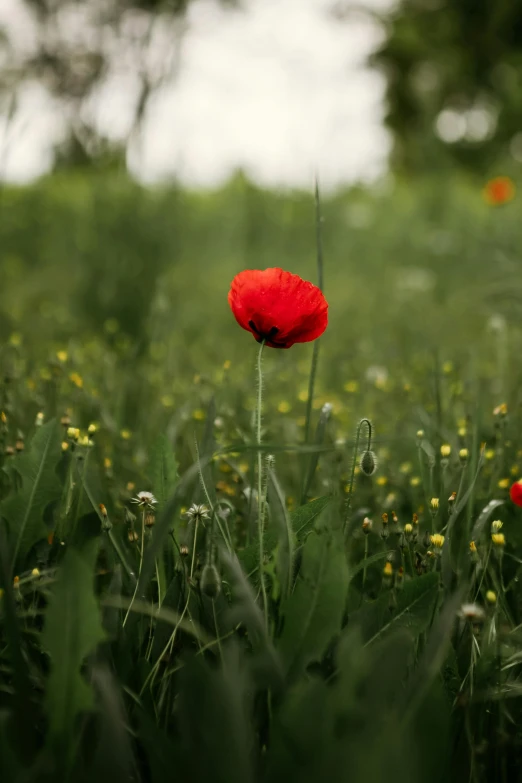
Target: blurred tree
{"points": [[454, 82], [80, 50]]}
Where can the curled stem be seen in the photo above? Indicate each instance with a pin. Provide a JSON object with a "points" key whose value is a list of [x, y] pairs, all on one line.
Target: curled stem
{"points": [[368, 424]]}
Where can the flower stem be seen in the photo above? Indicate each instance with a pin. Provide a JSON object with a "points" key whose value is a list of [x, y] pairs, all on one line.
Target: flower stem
{"points": [[320, 285], [260, 501], [142, 547]]}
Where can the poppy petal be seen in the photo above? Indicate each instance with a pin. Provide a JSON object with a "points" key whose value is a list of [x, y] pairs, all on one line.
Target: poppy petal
{"points": [[278, 306]]}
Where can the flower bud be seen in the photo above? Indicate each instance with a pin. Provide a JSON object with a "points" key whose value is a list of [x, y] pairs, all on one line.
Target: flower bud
{"points": [[491, 597], [368, 463], [367, 525], [210, 582]]}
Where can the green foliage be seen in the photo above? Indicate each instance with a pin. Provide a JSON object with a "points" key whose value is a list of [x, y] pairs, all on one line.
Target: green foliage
{"points": [[378, 641], [25, 508], [456, 56], [163, 471], [312, 614], [72, 630]]}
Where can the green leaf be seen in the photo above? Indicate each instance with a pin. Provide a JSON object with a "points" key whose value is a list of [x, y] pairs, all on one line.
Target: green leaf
{"points": [[72, 630], [303, 518], [285, 548], [215, 708], [163, 470], [40, 487], [313, 613], [415, 607], [483, 517]]}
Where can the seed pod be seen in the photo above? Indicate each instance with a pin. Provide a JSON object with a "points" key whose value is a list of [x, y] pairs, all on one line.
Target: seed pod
{"points": [[368, 463], [210, 582]]}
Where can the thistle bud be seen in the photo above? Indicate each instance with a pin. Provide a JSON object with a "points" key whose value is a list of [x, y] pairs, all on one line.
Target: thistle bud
{"points": [[210, 583], [368, 463]]}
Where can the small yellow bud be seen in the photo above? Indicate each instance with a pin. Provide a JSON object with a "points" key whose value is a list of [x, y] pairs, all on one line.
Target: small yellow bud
{"points": [[498, 539], [463, 454], [504, 483], [35, 572], [445, 450], [434, 503], [408, 529], [500, 410], [92, 428], [16, 581], [65, 445], [491, 597], [3, 418], [420, 434], [388, 569], [437, 540], [496, 526], [73, 433], [472, 547]]}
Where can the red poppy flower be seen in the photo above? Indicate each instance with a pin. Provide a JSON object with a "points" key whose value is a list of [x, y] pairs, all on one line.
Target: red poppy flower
{"points": [[515, 493], [278, 307], [499, 190]]}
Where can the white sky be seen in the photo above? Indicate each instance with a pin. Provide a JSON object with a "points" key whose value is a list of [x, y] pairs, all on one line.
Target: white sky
{"points": [[278, 88]]}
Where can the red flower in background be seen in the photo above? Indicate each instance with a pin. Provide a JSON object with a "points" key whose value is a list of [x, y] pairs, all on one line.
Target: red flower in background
{"points": [[499, 190], [278, 307], [515, 493]]}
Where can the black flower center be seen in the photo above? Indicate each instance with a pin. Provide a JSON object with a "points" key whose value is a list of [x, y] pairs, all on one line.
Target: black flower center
{"points": [[267, 337]]}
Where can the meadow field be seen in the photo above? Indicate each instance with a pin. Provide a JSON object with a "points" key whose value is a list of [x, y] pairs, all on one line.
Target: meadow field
{"points": [[197, 589]]}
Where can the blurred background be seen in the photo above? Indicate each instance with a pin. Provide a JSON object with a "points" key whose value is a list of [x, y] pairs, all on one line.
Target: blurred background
{"points": [[150, 149]]}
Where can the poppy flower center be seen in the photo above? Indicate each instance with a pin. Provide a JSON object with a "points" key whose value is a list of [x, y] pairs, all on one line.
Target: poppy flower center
{"points": [[267, 337]]}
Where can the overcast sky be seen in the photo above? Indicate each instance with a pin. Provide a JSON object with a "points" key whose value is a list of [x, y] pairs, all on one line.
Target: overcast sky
{"points": [[279, 88]]}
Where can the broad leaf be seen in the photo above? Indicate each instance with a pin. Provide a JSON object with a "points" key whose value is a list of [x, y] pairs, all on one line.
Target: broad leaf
{"points": [[24, 511], [313, 613], [163, 470], [303, 518], [415, 606], [72, 630]]}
